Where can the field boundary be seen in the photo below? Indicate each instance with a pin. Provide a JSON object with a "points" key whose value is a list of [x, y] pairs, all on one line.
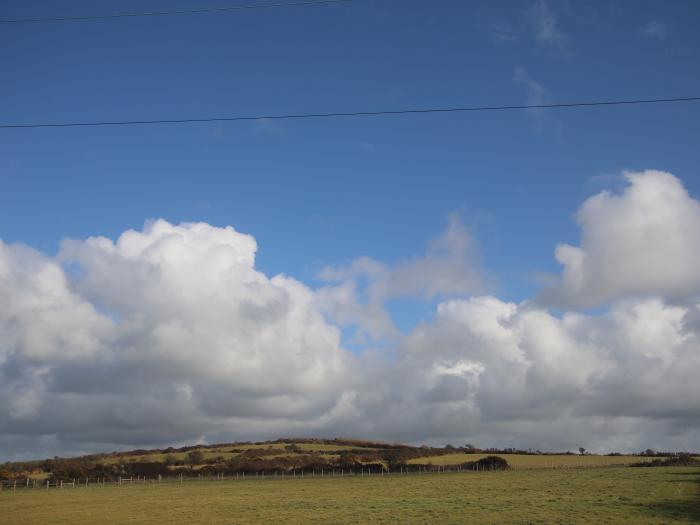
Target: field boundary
{"points": [[31, 484]]}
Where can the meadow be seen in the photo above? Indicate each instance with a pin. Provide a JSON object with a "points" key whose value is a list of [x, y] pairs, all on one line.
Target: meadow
{"points": [[225, 451], [597, 495], [536, 461]]}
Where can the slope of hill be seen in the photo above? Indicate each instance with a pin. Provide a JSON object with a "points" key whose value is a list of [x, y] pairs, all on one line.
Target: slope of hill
{"points": [[289, 456]]}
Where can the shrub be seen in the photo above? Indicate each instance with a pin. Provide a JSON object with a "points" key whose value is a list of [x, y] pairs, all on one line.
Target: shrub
{"points": [[681, 460], [195, 457], [487, 463]]}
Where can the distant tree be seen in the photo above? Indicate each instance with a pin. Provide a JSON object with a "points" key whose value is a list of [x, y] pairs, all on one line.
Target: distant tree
{"points": [[394, 459], [170, 459], [581, 450], [487, 463], [195, 457]]}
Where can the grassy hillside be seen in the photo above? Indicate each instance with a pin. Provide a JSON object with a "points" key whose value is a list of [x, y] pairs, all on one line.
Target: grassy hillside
{"points": [[285, 456]]}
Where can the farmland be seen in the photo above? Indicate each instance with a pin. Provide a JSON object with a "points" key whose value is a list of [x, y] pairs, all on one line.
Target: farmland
{"points": [[537, 461], [286, 456], [348, 481], [600, 495]]}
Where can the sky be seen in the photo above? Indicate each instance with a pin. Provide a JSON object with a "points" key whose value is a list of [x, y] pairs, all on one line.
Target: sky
{"points": [[518, 278]]}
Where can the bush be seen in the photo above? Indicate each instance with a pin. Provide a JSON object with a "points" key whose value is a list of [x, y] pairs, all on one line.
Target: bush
{"points": [[487, 463], [195, 457], [681, 460]]}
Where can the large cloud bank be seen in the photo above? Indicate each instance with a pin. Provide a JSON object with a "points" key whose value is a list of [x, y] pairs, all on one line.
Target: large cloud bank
{"points": [[163, 335], [170, 335]]}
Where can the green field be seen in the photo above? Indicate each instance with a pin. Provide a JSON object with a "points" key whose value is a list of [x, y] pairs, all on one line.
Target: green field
{"points": [[601, 495], [536, 461], [514, 460], [225, 452]]}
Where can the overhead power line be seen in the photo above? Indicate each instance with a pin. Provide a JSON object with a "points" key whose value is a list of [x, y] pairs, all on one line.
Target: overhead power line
{"points": [[348, 114], [167, 13]]}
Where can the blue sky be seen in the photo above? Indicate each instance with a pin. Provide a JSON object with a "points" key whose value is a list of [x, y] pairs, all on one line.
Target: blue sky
{"points": [[321, 193]]}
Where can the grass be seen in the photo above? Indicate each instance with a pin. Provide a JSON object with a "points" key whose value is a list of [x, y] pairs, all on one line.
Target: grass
{"points": [[515, 460], [119, 458], [604, 495], [322, 447], [536, 461], [226, 453], [223, 453]]}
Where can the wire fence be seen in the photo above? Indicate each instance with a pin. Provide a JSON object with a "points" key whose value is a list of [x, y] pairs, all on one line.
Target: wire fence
{"points": [[29, 483]]}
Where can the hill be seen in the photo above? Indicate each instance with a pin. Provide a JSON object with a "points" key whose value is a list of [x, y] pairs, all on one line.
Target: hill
{"points": [[295, 456]]}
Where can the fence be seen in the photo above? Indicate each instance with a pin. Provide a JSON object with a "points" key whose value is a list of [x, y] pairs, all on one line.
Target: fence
{"points": [[34, 484]]}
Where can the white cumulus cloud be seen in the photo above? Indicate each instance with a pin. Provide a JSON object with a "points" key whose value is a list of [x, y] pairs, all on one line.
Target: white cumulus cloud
{"points": [[516, 375], [644, 242], [169, 329], [170, 335]]}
